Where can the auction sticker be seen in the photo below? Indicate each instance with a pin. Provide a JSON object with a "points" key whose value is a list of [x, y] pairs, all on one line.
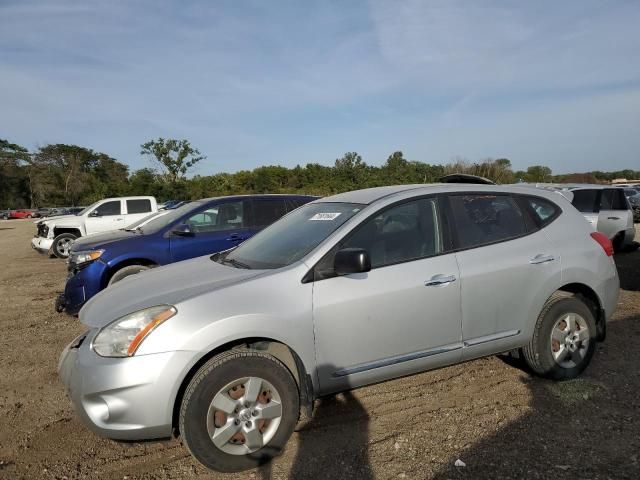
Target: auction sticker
{"points": [[325, 216]]}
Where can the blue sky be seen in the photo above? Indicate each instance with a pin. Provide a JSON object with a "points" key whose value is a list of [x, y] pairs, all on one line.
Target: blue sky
{"points": [[251, 83]]}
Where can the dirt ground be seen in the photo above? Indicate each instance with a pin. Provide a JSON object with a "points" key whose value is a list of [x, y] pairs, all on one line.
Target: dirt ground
{"points": [[497, 419]]}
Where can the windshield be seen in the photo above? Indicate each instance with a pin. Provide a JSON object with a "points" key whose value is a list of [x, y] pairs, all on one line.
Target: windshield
{"points": [[168, 216], [144, 220], [292, 237], [86, 209]]}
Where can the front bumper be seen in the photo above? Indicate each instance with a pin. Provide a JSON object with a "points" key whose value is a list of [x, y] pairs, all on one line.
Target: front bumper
{"points": [[42, 244], [123, 398], [82, 284]]}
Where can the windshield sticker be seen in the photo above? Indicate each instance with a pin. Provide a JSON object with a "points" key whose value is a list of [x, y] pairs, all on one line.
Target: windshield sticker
{"points": [[325, 216]]}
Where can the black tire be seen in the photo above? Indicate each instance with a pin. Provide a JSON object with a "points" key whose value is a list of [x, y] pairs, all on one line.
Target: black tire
{"points": [[208, 381], [618, 242], [538, 353], [127, 271], [59, 242]]}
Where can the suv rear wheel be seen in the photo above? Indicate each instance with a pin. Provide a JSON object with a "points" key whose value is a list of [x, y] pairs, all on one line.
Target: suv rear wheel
{"points": [[239, 410], [564, 339]]}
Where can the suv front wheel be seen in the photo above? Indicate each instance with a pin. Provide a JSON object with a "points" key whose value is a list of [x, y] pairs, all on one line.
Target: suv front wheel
{"points": [[564, 338], [61, 246], [239, 410]]}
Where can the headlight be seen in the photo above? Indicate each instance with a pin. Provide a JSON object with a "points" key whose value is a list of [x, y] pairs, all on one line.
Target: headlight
{"points": [[122, 337], [85, 256]]}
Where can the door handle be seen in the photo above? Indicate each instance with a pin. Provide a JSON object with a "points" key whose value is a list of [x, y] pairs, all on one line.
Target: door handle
{"points": [[541, 258], [119, 219], [234, 237], [613, 218], [438, 280]]}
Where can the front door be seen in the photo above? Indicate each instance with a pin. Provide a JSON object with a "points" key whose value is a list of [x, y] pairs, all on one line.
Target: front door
{"points": [[213, 229], [106, 216], [401, 317]]}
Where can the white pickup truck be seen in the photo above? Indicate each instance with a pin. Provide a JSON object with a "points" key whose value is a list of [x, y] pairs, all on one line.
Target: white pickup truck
{"points": [[56, 235]]}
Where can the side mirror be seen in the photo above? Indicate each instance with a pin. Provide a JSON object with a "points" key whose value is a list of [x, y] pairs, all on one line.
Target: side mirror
{"points": [[183, 230], [95, 213], [351, 260]]}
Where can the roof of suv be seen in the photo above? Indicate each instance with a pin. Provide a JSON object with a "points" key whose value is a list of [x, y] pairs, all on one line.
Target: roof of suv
{"points": [[370, 195]]}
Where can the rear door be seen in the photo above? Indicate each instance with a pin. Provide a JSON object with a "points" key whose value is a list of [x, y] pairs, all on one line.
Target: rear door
{"points": [[265, 211], [587, 201], [137, 209], [615, 215], [106, 216], [505, 261], [214, 228]]}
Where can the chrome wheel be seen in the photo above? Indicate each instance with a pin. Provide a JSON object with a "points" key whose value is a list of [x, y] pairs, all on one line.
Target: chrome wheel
{"points": [[570, 340], [64, 246], [244, 416]]}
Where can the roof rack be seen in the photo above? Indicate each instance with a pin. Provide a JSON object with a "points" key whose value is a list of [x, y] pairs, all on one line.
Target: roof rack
{"points": [[465, 178]]}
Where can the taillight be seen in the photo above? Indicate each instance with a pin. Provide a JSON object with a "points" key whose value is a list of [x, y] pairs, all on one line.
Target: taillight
{"points": [[604, 242]]}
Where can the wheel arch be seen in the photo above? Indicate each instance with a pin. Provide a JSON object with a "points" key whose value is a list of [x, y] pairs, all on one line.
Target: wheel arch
{"points": [[60, 230], [594, 303], [279, 350], [126, 262]]}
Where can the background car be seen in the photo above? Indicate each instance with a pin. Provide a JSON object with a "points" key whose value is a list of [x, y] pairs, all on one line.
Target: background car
{"points": [[197, 228], [42, 212], [22, 213], [4, 214]]}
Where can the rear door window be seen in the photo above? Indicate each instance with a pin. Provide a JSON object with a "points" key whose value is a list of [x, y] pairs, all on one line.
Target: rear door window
{"points": [[585, 200], [267, 210], [142, 205], [613, 199], [481, 219]]}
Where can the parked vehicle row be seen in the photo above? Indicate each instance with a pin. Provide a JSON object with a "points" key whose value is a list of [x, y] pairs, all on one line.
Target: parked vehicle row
{"points": [[194, 229], [39, 212], [227, 349]]}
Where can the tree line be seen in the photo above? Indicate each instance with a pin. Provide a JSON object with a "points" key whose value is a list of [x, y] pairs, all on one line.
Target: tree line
{"points": [[70, 175]]}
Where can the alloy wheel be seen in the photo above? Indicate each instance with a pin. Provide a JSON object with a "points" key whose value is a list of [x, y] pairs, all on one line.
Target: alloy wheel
{"points": [[570, 340]]}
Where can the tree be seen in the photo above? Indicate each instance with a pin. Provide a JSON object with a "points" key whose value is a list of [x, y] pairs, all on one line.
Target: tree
{"points": [[350, 172], [538, 173], [14, 189], [175, 157]]}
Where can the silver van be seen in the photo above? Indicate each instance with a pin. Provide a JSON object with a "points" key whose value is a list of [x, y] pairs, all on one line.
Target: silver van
{"points": [[227, 351]]}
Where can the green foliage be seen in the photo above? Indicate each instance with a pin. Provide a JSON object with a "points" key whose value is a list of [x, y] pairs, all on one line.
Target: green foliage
{"points": [[56, 175], [175, 157]]}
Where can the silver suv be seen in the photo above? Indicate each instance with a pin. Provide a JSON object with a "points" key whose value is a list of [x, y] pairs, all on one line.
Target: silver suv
{"points": [[349, 290]]}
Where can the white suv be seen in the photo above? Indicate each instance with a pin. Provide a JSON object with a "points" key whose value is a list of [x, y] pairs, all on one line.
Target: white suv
{"points": [[607, 209], [56, 235]]}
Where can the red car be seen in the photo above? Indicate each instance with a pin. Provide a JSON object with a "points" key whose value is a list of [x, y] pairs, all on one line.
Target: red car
{"points": [[21, 213]]}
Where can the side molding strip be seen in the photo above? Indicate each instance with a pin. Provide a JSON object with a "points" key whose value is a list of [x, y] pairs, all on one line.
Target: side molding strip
{"points": [[386, 362], [490, 338]]}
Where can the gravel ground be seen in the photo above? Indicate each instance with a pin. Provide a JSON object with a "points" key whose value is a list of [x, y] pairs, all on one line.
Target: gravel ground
{"points": [[497, 419]]}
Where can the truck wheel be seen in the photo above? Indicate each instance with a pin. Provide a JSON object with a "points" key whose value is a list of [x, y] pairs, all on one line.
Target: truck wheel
{"points": [[127, 272], [62, 244], [239, 410], [564, 338]]}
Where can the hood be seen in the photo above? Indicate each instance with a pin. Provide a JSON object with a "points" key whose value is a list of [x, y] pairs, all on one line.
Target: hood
{"points": [[99, 240], [170, 285], [63, 220]]}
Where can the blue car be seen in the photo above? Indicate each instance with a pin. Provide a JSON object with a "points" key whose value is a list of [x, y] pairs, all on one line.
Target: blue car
{"points": [[197, 228]]}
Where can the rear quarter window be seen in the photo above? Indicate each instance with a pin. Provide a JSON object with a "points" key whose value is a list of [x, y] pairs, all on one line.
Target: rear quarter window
{"points": [[139, 206], [542, 210]]}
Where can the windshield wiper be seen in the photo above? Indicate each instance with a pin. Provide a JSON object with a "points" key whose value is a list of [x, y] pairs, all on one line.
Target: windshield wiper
{"points": [[236, 263]]}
